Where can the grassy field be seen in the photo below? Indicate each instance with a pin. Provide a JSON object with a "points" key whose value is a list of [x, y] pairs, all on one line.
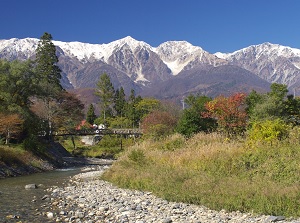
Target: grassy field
{"points": [[211, 170]]}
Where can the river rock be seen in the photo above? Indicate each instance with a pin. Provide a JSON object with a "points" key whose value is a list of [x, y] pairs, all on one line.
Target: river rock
{"points": [[90, 199], [31, 186], [50, 215]]}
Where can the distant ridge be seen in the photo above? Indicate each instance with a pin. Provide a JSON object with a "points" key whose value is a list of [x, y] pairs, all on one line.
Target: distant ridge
{"points": [[171, 70]]}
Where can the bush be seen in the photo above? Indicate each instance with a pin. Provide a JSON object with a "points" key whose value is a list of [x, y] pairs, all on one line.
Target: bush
{"points": [[32, 143], [173, 142], [137, 156], [268, 131]]}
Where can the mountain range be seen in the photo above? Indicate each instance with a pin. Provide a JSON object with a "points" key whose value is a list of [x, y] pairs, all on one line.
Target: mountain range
{"points": [[174, 69]]}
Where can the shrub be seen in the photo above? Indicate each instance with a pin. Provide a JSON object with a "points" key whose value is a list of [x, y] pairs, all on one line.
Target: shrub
{"points": [[137, 156], [173, 142], [268, 131]]}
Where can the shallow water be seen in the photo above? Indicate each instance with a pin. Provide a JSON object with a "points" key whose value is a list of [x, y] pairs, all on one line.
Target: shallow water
{"points": [[20, 205]]}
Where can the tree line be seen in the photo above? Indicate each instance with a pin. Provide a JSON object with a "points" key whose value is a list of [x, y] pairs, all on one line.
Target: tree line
{"points": [[266, 115], [263, 116], [117, 110]]}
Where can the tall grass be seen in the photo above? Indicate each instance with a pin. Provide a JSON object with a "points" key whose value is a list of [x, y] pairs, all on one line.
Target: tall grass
{"points": [[210, 170]]}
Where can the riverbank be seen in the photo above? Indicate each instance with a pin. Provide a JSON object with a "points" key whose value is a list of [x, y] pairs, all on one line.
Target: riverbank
{"points": [[18, 162], [86, 198]]}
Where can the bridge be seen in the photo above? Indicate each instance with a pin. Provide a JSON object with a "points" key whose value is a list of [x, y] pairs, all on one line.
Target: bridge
{"points": [[97, 132]]}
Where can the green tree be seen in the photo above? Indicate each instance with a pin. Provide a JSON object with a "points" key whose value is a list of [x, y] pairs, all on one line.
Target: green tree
{"points": [[91, 116], [278, 91], [106, 92], [131, 110], [252, 100], [120, 102], [46, 68], [49, 75], [145, 106], [271, 105], [17, 85], [191, 121], [292, 110]]}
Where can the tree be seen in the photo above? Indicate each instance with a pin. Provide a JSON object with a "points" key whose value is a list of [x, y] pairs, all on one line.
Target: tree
{"points": [[91, 116], [146, 106], [158, 123], [17, 85], [191, 120], [66, 111], [131, 110], [229, 113], [252, 100], [105, 90], [278, 90], [271, 105], [120, 102], [46, 68], [10, 125], [292, 110], [49, 75]]}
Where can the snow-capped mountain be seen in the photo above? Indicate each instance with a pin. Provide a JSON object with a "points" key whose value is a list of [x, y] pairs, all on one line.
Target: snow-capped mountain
{"points": [[142, 63], [272, 62], [136, 65], [181, 55]]}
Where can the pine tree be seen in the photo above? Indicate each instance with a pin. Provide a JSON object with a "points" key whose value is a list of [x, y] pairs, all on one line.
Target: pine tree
{"points": [[120, 102], [49, 75], [90, 116], [131, 110], [105, 90], [46, 67]]}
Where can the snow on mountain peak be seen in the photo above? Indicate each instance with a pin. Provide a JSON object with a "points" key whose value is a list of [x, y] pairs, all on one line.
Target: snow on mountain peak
{"points": [[82, 51], [16, 46], [177, 54], [131, 42], [267, 49]]}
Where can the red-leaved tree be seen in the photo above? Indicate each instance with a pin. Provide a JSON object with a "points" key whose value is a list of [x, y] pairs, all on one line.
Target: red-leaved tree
{"points": [[158, 123], [229, 113]]}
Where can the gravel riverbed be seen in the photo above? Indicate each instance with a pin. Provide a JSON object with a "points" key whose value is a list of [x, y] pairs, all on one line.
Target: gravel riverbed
{"points": [[86, 199]]}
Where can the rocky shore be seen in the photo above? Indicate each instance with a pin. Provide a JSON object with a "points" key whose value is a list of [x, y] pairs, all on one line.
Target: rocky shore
{"points": [[86, 199]]}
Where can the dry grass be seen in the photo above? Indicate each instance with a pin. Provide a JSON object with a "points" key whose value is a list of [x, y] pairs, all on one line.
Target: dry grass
{"points": [[211, 170]]}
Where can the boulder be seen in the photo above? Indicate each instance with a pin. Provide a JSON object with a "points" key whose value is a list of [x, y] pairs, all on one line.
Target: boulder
{"points": [[30, 186]]}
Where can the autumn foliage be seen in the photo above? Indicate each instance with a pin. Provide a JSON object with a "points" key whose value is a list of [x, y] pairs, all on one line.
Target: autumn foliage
{"points": [[10, 125], [158, 123], [229, 112]]}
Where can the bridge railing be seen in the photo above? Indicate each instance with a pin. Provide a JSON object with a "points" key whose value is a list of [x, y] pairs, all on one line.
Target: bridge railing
{"points": [[107, 131]]}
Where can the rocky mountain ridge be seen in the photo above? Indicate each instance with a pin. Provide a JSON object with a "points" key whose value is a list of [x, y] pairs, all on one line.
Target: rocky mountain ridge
{"points": [[137, 65]]}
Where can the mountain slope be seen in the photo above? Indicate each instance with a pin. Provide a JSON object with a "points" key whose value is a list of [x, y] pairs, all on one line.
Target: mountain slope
{"points": [[211, 81], [272, 62], [181, 55]]}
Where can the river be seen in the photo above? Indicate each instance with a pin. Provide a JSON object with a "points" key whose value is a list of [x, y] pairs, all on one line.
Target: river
{"points": [[18, 204]]}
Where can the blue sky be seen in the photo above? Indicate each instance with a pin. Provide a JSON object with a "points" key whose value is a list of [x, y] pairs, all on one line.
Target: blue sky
{"points": [[214, 25]]}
